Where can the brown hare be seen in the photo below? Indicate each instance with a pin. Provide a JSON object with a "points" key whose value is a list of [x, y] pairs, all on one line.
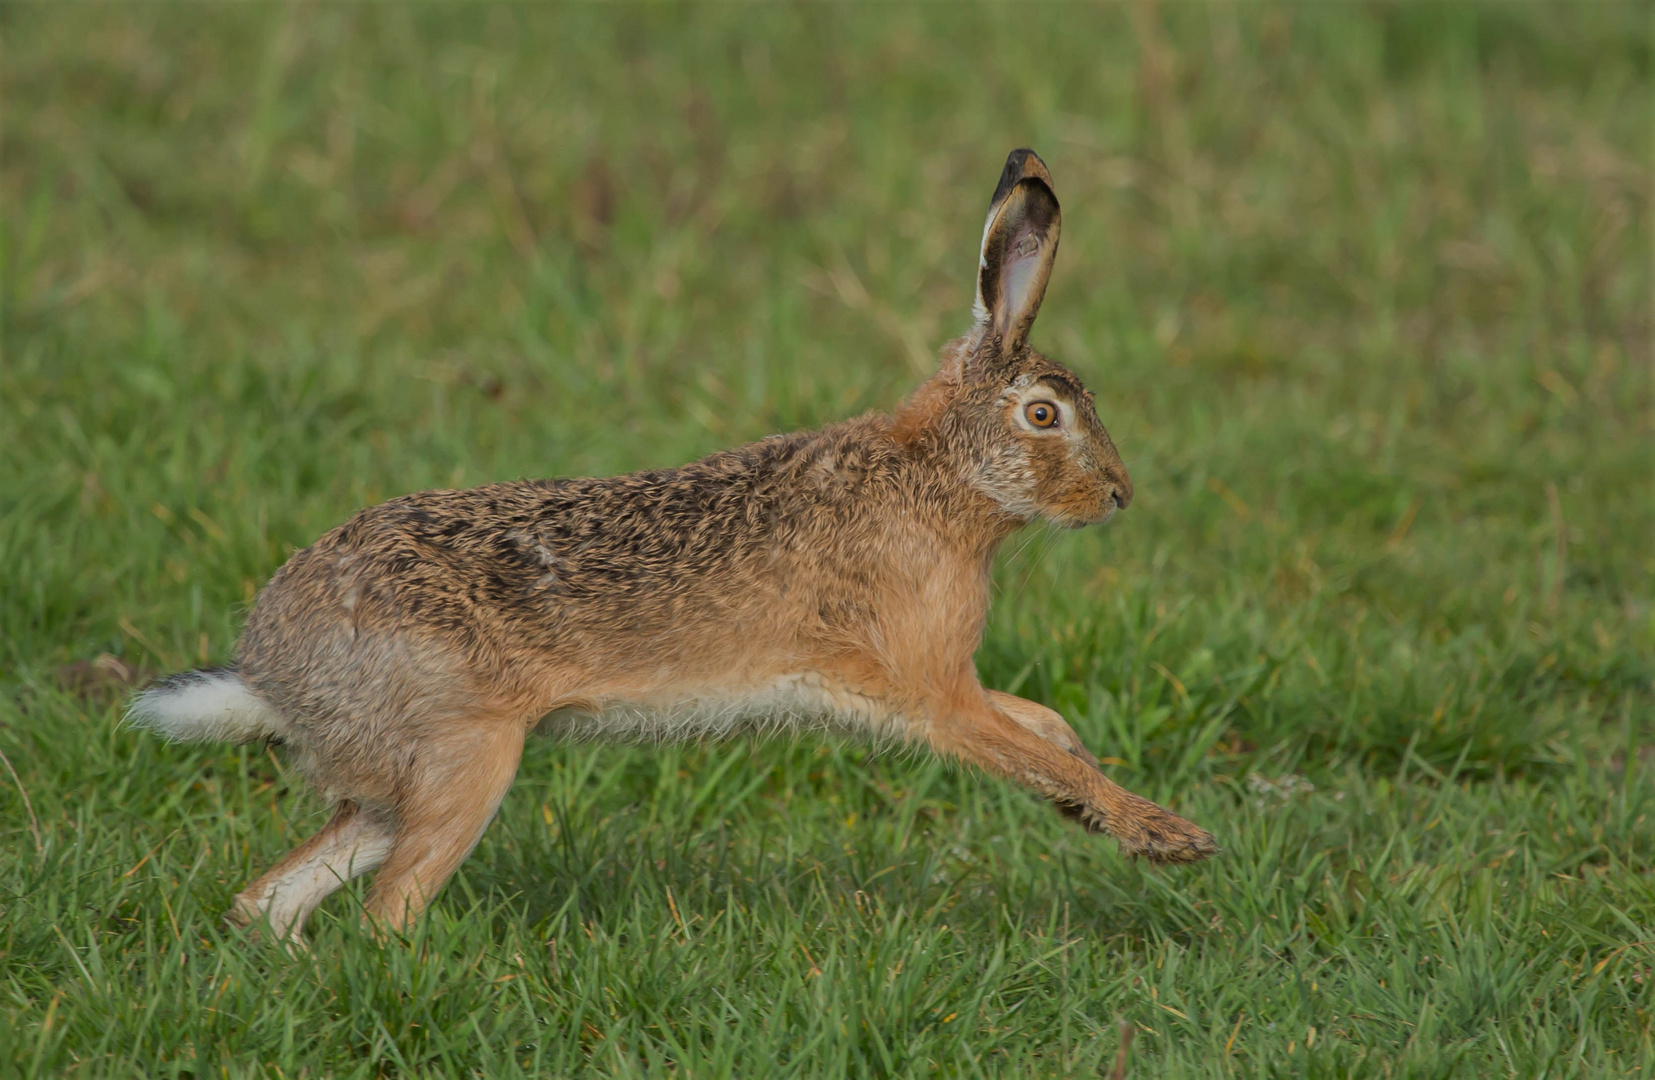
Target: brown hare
{"points": [[835, 579]]}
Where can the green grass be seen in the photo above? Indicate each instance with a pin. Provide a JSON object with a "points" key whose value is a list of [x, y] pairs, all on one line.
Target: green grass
{"points": [[1365, 295]]}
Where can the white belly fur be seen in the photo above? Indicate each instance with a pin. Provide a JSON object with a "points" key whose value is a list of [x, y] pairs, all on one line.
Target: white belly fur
{"points": [[803, 702]]}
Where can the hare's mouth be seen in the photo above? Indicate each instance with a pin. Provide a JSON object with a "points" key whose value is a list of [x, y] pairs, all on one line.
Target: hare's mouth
{"points": [[1065, 519]]}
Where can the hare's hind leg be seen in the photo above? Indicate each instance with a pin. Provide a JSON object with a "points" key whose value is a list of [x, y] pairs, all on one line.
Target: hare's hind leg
{"points": [[1029, 743], [353, 843], [457, 782]]}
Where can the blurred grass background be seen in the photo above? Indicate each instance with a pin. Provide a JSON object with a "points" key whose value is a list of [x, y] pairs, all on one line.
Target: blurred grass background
{"points": [[1363, 289]]}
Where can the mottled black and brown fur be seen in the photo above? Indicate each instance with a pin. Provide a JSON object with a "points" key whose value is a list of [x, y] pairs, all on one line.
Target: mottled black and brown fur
{"points": [[836, 578]]}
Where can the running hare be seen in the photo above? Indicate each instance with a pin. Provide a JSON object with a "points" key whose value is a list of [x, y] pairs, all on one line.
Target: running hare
{"points": [[836, 578]]}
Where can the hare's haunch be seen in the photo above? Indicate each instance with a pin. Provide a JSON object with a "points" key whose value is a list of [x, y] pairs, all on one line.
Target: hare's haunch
{"points": [[836, 578]]}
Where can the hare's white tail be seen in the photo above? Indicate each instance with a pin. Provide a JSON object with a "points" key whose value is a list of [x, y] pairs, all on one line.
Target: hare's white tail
{"points": [[201, 706]]}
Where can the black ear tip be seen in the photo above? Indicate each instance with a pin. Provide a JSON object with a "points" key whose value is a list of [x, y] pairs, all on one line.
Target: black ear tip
{"points": [[1015, 159], [1021, 164]]}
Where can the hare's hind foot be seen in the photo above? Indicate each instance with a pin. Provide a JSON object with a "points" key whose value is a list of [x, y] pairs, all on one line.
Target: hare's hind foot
{"points": [[353, 843]]}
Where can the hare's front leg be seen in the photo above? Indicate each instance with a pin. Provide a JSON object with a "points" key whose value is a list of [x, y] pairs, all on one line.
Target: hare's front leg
{"points": [[1029, 743], [1042, 721]]}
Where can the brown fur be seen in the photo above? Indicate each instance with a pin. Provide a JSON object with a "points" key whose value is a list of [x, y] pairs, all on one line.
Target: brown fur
{"points": [[837, 577]]}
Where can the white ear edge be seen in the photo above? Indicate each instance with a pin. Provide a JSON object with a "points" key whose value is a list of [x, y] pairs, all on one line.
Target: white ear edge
{"points": [[979, 308]]}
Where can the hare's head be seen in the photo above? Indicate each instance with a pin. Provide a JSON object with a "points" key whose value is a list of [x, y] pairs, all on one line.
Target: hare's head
{"points": [[1021, 426]]}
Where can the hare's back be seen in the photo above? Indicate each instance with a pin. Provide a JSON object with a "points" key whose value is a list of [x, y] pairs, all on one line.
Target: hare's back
{"points": [[533, 562]]}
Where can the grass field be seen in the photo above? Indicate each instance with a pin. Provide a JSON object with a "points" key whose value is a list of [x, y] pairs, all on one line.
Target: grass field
{"points": [[1364, 291]]}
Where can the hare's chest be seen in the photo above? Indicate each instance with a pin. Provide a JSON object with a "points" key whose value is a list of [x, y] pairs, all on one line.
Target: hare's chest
{"points": [[799, 702]]}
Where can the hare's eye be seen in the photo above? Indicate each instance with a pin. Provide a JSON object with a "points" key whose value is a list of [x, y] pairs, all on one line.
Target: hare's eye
{"points": [[1042, 414]]}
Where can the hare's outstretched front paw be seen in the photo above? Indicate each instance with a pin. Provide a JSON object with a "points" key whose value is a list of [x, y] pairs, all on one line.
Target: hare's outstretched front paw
{"points": [[1078, 788], [1144, 829], [1156, 834], [1171, 839]]}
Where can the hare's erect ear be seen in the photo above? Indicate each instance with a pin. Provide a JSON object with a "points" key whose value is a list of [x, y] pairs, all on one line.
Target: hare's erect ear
{"points": [[1019, 244]]}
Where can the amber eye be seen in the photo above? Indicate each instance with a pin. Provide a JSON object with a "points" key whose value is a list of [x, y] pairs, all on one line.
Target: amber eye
{"points": [[1041, 413]]}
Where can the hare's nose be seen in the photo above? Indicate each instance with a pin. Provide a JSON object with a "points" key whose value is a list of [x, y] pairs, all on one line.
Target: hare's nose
{"points": [[1121, 491]]}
